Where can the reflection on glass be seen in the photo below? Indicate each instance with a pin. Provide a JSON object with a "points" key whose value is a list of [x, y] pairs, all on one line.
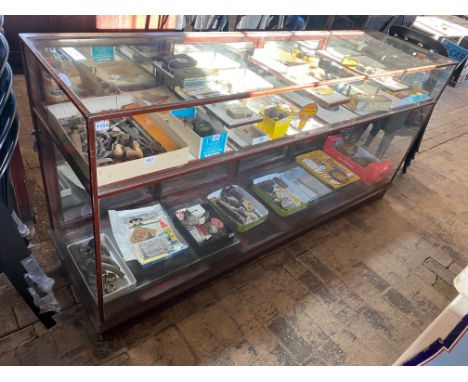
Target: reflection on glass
{"points": [[73, 228], [164, 71]]}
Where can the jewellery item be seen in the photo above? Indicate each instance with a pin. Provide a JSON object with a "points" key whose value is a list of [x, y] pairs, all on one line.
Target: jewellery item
{"points": [[326, 169], [276, 112], [201, 224], [237, 206], [111, 271], [278, 194], [199, 125], [339, 175]]}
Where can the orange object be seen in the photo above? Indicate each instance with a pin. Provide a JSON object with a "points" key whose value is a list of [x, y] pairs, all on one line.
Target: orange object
{"points": [[306, 113], [152, 128]]}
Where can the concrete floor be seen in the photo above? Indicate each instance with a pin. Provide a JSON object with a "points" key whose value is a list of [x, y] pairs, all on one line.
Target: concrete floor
{"points": [[357, 291]]}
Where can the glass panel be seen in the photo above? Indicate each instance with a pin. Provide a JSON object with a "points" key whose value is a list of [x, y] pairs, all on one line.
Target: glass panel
{"points": [[198, 223], [142, 248], [70, 205], [228, 178], [195, 179], [59, 116], [374, 53], [180, 66]]}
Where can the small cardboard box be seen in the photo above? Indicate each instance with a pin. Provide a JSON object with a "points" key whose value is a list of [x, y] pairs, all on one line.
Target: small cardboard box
{"points": [[201, 147], [123, 170], [274, 128]]}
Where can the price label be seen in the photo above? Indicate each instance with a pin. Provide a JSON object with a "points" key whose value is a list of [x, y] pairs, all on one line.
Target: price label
{"points": [[102, 125], [65, 79], [149, 160]]}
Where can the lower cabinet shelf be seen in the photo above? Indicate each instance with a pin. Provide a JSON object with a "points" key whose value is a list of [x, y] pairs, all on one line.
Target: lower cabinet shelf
{"points": [[188, 269]]}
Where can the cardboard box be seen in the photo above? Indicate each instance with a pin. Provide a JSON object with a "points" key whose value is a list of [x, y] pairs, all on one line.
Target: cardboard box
{"points": [[200, 147], [274, 128]]}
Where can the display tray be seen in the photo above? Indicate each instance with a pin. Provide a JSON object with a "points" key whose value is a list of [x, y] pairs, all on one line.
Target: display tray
{"points": [[114, 74], [155, 96], [364, 65], [323, 95], [146, 234], [238, 206], [233, 113], [405, 97], [279, 194], [326, 96], [328, 170], [287, 64], [204, 229], [110, 173], [365, 104], [248, 135], [213, 60], [310, 186], [370, 169], [112, 263]]}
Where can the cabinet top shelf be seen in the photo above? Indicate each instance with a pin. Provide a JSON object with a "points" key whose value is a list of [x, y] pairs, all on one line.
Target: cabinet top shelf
{"points": [[98, 64], [127, 110]]}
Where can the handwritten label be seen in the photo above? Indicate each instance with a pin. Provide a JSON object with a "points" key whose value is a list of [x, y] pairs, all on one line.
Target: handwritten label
{"points": [[65, 79], [149, 160], [102, 125]]}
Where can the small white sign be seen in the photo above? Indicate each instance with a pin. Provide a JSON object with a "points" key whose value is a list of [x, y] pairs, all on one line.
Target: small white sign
{"points": [[149, 160], [102, 125], [65, 79]]}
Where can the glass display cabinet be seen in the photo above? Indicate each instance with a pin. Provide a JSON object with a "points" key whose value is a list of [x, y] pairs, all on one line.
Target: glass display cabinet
{"points": [[170, 158]]}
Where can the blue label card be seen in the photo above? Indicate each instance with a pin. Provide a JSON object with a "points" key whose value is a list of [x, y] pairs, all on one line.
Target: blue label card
{"points": [[455, 52], [213, 145], [102, 53]]}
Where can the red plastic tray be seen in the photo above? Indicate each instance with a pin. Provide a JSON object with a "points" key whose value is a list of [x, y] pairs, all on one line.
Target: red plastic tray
{"points": [[373, 173]]}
